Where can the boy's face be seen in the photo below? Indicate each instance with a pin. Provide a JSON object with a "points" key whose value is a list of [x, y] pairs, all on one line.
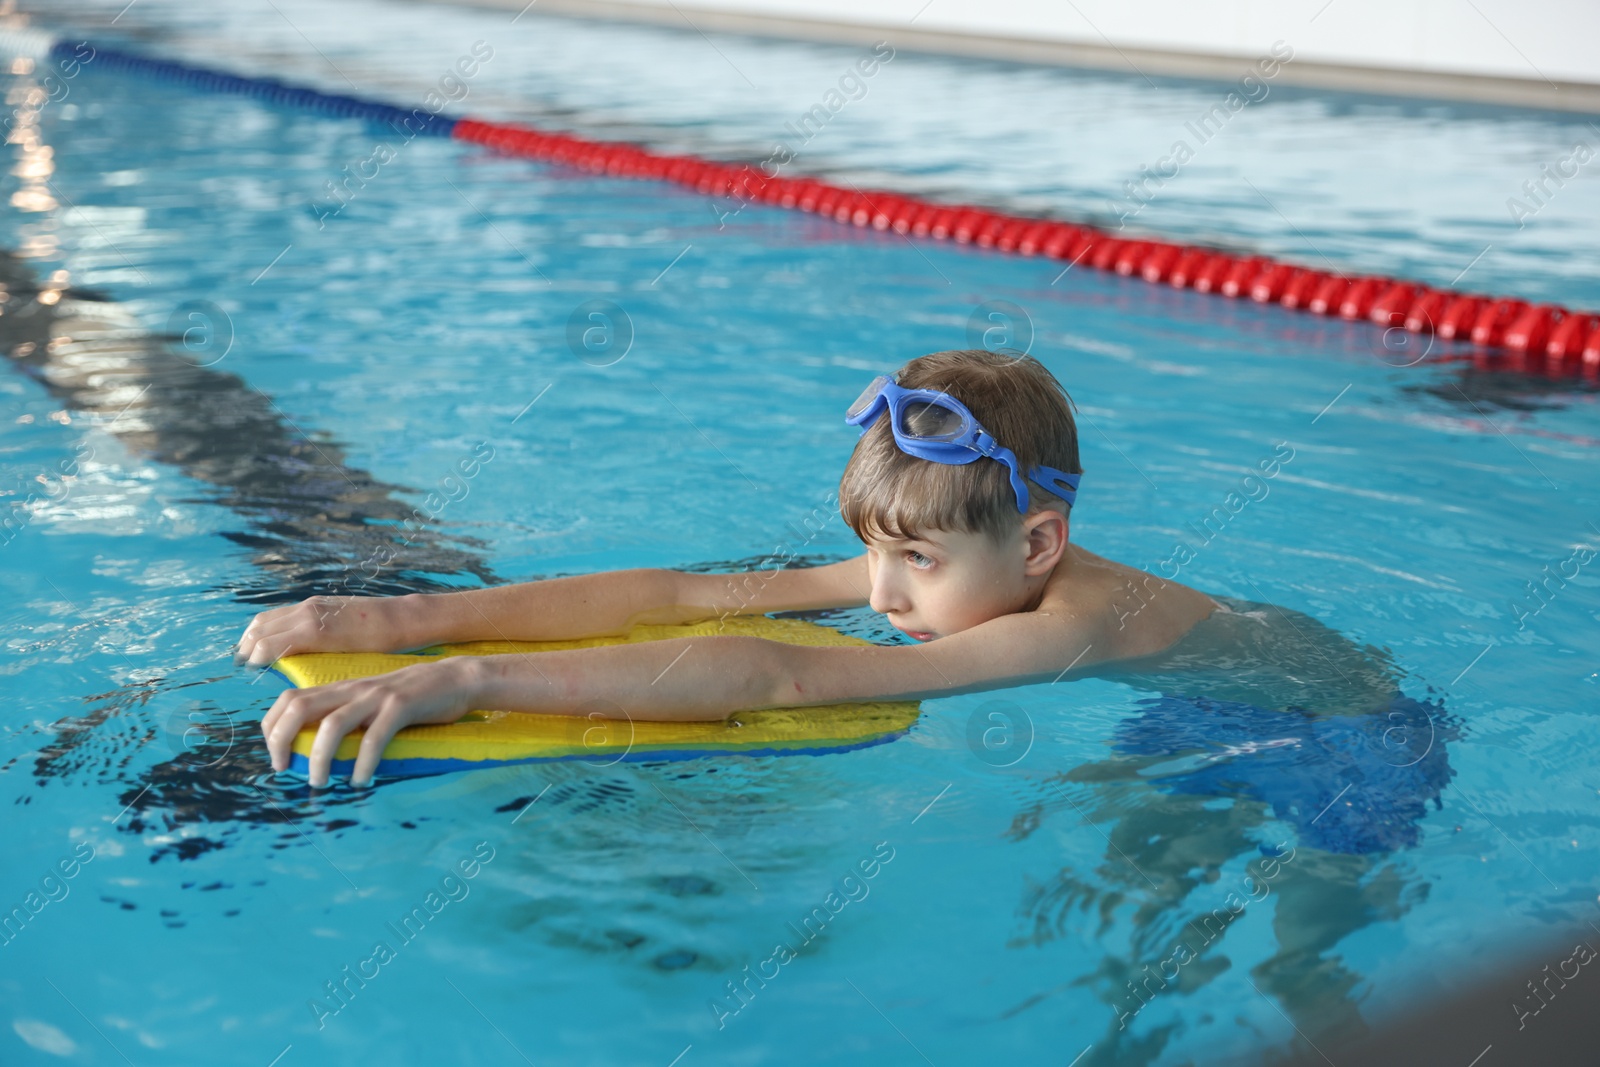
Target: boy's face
{"points": [[946, 581]]}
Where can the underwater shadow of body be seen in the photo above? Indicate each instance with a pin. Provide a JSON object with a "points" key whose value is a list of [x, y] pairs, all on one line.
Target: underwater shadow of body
{"points": [[309, 518], [1314, 786]]}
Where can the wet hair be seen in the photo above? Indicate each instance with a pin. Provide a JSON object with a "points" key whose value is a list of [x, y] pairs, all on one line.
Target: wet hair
{"points": [[889, 494]]}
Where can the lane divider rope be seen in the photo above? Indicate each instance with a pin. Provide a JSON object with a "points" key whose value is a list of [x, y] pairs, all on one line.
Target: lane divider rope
{"points": [[1545, 338]]}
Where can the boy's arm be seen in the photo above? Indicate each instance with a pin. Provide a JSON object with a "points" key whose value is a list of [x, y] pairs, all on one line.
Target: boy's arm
{"points": [[585, 605], [1019, 649], [613, 602], [709, 678], [686, 678]]}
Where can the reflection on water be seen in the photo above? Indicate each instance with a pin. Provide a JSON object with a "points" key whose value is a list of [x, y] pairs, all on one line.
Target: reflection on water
{"points": [[310, 519], [1484, 387], [1454, 376]]}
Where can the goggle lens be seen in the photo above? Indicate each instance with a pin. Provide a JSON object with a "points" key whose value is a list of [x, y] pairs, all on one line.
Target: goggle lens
{"points": [[868, 395], [929, 421]]}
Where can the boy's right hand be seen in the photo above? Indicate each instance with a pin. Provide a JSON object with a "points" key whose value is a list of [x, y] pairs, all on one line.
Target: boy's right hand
{"points": [[325, 624]]}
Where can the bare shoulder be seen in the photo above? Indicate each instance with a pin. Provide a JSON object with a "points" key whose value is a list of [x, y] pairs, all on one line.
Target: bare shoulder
{"points": [[1131, 612]]}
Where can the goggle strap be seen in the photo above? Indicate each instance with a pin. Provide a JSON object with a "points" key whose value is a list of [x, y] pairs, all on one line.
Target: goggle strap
{"points": [[1060, 483], [1018, 486]]}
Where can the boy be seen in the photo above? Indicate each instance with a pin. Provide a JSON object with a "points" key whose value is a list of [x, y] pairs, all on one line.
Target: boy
{"points": [[964, 555]]}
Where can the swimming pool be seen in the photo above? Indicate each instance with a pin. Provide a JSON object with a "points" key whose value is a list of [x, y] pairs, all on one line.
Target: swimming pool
{"points": [[1015, 890]]}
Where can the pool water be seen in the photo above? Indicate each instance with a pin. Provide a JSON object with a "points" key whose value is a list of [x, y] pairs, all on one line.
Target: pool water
{"points": [[218, 405]]}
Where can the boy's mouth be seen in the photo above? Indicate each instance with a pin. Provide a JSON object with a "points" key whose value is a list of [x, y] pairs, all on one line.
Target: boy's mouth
{"points": [[916, 634]]}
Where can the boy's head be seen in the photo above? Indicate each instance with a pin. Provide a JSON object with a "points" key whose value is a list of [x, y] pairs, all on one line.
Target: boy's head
{"points": [[948, 547]]}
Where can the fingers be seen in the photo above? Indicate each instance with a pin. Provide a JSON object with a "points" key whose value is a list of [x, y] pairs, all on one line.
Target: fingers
{"points": [[341, 707], [265, 622], [270, 719], [282, 631], [362, 707], [384, 705], [257, 647], [379, 732], [293, 709]]}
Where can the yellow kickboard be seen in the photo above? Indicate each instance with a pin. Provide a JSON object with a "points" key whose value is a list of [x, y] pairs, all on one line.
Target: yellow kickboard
{"points": [[495, 738]]}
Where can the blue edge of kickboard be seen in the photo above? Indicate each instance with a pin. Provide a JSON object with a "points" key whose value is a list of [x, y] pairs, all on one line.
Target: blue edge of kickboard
{"points": [[269, 88], [419, 768]]}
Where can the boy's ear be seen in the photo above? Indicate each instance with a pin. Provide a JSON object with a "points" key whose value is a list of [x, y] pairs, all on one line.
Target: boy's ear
{"points": [[1045, 535]]}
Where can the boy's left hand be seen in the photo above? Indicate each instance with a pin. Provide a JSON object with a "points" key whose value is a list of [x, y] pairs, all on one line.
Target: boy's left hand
{"points": [[384, 704]]}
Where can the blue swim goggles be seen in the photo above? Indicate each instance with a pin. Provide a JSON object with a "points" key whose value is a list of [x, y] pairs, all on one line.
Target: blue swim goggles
{"points": [[948, 433]]}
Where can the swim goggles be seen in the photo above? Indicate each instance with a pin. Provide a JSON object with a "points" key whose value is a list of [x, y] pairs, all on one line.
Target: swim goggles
{"points": [[949, 434]]}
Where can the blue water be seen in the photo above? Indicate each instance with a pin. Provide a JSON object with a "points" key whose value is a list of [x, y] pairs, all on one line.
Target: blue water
{"points": [[1021, 892]]}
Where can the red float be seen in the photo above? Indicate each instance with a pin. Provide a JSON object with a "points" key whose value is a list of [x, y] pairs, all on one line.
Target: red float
{"points": [[1490, 325], [1531, 330], [1211, 273], [1101, 253], [775, 190], [1060, 240], [965, 224], [828, 198], [1392, 304], [902, 216], [1456, 320], [1425, 310], [1269, 283], [884, 209], [1237, 281], [718, 182], [920, 219], [1011, 237], [750, 184], [1031, 241], [1104, 251], [989, 232], [1083, 245], [687, 172], [1055, 238], [1299, 290], [1591, 349], [1357, 301], [961, 216], [1566, 340], [939, 225], [1159, 261], [1187, 266], [1133, 257], [1328, 296]]}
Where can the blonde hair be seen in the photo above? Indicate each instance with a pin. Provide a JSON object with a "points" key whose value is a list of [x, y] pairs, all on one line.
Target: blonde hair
{"points": [[889, 494]]}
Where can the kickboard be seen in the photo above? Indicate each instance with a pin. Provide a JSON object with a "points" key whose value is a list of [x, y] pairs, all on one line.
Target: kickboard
{"points": [[496, 738]]}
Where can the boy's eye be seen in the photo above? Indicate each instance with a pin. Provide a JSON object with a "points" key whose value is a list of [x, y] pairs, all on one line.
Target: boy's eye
{"points": [[917, 558]]}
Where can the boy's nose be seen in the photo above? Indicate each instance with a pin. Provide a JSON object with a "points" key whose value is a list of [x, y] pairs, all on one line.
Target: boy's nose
{"points": [[886, 597]]}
